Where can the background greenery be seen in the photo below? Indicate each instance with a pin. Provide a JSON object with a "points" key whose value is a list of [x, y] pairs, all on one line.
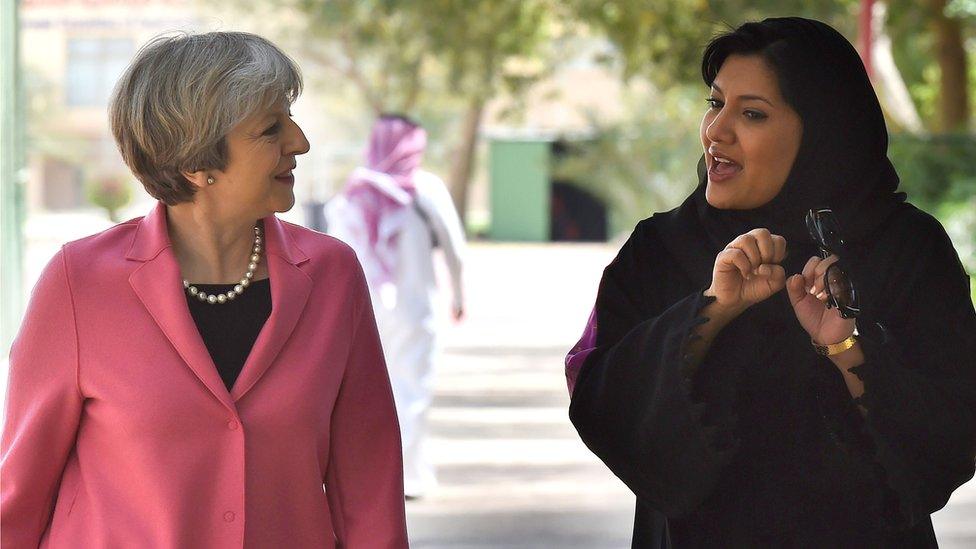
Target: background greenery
{"points": [[446, 61]]}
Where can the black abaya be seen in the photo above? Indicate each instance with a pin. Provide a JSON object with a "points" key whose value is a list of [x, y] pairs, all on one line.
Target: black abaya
{"points": [[762, 445]]}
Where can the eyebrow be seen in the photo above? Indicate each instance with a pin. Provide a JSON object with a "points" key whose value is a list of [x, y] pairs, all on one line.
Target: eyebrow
{"points": [[746, 97], [262, 125], [267, 121]]}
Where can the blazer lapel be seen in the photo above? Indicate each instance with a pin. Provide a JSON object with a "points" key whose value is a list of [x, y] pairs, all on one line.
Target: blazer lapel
{"points": [[159, 286], [290, 288]]}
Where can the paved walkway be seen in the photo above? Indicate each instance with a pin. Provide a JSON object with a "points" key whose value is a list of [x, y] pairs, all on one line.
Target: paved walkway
{"points": [[513, 472]]}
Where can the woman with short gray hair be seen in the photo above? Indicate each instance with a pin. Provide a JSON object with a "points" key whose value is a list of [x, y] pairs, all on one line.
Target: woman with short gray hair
{"points": [[206, 375]]}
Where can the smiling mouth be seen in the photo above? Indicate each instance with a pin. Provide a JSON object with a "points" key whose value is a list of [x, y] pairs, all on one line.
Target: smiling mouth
{"points": [[287, 178], [722, 168]]}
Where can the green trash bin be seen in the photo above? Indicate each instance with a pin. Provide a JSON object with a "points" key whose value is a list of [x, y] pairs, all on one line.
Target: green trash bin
{"points": [[520, 189]]}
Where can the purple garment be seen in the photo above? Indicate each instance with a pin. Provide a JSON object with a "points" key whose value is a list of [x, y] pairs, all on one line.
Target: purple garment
{"points": [[577, 355], [380, 191]]}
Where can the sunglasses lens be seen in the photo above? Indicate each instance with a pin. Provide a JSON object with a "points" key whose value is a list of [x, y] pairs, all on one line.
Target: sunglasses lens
{"points": [[812, 226], [840, 287], [830, 231]]}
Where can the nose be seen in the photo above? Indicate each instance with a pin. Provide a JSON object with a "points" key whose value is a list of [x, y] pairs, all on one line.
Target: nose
{"points": [[720, 129], [296, 143]]}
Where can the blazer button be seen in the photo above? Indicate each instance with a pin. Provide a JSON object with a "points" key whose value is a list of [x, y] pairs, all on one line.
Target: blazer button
{"points": [[229, 516], [232, 425]]}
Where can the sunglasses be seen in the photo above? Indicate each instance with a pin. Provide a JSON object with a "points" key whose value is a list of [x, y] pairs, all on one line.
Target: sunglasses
{"points": [[825, 232]]}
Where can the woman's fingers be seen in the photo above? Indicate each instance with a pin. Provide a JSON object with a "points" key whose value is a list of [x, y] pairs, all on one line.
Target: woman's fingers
{"points": [[753, 256], [775, 276], [761, 247], [779, 248], [737, 258], [817, 288], [796, 287], [813, 276], [764, 241], [747, 243], [772, 247], [809, 270], [824, 265]]}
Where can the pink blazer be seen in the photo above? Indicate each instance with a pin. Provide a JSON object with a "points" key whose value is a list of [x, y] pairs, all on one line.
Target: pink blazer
{"points": [[120, 433]]}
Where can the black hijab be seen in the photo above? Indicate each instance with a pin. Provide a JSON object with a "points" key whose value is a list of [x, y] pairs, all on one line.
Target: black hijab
{"points": [[842, 161]]}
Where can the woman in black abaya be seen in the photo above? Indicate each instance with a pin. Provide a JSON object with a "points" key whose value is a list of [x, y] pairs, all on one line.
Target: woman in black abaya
{"points": [[717, 376]]}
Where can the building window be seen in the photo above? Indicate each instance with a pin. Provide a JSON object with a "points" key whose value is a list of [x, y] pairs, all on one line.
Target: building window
{"points": [[94, 65], [62, 185]]}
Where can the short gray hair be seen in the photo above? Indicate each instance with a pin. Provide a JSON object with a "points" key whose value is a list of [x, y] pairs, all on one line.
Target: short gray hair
{"points": [[173, 107]]}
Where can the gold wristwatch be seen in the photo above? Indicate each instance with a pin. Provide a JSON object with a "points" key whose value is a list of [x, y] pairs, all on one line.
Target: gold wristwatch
{"points": [[836, 348]]}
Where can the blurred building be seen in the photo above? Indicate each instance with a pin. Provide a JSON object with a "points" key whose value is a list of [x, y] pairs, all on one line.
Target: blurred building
{"points": [[72, 53]]}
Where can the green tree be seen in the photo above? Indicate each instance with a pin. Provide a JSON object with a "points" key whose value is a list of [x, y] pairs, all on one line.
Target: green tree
{"points": [[110, 192], [645, 163], [416, 55], [663, 40], [489, 47], [378, 47], [929, 47]]}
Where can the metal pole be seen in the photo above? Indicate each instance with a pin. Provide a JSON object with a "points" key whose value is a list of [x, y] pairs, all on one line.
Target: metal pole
{"points": [[865, 38], [11, 177]]}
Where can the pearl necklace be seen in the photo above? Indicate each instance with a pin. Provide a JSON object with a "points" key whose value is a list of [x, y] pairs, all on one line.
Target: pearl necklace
{"points": [[239, 288]]}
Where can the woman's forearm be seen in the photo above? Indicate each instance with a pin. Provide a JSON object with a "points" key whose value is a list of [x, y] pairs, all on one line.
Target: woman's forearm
{"points": [[844, 362], [719, 317]]}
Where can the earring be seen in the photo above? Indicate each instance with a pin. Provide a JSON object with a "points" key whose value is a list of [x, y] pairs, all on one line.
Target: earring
{"points": [[211, 180]]}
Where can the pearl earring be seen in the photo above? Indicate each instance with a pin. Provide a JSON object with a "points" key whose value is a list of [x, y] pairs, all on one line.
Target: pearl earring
{"points": [[210, 180]]}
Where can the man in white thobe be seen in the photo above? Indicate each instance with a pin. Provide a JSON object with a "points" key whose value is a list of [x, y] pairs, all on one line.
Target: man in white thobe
{"points": [[395, 216]]}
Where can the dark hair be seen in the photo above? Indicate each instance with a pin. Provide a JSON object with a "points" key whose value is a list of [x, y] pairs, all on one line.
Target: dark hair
{"points": [[753, 39]]}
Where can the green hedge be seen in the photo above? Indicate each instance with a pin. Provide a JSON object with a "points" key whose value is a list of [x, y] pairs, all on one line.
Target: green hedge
{"points": [[939, 174], [935, 169]]}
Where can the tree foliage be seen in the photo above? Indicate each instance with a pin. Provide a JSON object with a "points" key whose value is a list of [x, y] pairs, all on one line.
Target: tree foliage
{"points": [[422, 56], [663, 40], [443, 60]]}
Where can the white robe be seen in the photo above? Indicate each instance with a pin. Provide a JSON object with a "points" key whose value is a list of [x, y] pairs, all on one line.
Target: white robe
{"points": [[407, 312]]}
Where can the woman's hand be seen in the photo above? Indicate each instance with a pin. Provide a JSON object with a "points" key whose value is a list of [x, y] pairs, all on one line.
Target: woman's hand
{"points": [[747, 271], [809, 299]]}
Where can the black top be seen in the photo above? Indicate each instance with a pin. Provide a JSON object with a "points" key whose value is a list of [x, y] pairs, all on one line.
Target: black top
{"points": [[229, 330], [762, 444]]}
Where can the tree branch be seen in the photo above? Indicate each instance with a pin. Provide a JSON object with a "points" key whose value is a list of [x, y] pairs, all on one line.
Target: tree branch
{"points": [[353, 72]]}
